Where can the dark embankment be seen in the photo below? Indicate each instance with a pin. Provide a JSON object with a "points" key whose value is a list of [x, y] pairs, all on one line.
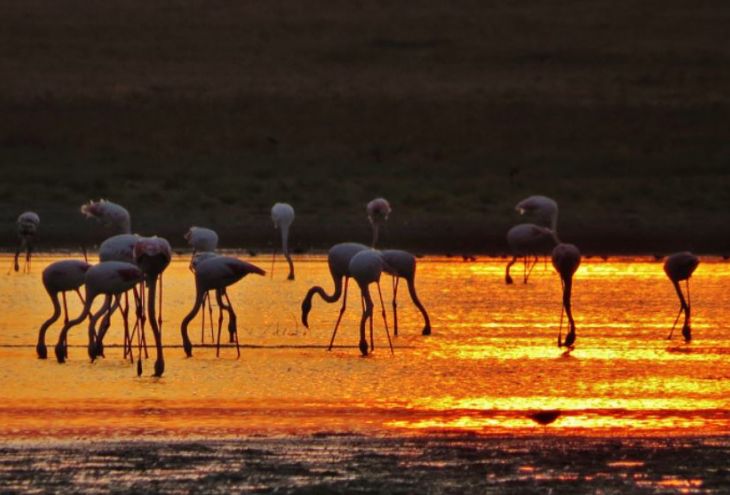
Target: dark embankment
{"points": [[207, 113]]}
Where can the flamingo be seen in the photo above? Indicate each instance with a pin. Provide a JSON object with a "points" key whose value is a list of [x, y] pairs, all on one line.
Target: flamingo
{"points": [[678, 267], [202, 240], [196, 260], [152, 255], [338, 259], [402, 264], [366, 267], [110, 278], [566, 260], [378, 211], [524, 240], [27, 223], [217, 273], [283, 215], [61, 276]]}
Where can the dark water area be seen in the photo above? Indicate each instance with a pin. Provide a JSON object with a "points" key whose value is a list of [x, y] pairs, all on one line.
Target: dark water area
{"points": [[359, 464]]}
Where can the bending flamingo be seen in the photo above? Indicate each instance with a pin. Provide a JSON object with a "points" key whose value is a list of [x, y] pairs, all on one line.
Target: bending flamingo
{"points": [[217, 274], [111, 279], [528, 239], [366, 268], [61, 276], [566, 260], [378, 211], [338, 259], [678, 267], [283, 216], [401, 264], [27, 223]]}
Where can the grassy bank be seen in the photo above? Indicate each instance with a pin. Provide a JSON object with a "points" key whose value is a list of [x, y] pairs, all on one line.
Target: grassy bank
{"points": [[208, 113]]}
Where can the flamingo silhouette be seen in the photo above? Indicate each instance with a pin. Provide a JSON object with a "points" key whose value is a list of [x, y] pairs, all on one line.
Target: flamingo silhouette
{"points": [[338, 260], [678, 267], [217, 273], [61, 276], [378, 211], [283, 215], [528, 239], [202, 240], [109, 278], [366, 267], [27, 224], [566, 260], [152, 255], [402, 264]]}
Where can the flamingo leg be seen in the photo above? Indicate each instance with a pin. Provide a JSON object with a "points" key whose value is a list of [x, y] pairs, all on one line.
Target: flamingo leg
{"points": [[679, 313], [232, 323], [159, 316], [531, 267], [395, 305], [382, 306], [220, 323], [202, 324], [65, 307], [339, 318], [387, 332], [127, 338]]}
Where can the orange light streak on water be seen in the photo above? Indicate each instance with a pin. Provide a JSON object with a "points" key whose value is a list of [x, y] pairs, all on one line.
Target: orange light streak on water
{"points": [[491, 361]]}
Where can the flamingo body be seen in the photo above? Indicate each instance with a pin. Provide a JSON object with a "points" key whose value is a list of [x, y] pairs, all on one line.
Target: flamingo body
{"points": [[528, 239], [119, 248], [111, 214]]}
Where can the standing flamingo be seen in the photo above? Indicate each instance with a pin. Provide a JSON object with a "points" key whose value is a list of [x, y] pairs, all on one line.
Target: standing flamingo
{"points": [[378, 211], [61, 276], [197, 259], [566, 260], [283, 215], [366, 268], [525, 240], [678, 267], [110, 278], [217, 274], [401, 264], [27, 223], [338, 259]]}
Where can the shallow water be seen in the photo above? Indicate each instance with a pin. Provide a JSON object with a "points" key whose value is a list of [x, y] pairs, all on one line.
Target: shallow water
{"points": [[492, 360]]}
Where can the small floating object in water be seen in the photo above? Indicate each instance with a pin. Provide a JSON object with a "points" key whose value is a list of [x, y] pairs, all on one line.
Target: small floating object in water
{"points": [[545, 418]]}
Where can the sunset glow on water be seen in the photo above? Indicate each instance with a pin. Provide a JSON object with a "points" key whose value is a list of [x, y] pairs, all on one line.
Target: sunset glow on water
{"points": [[492, 359]]}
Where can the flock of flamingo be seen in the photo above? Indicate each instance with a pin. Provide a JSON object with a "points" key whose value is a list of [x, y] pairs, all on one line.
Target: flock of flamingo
{"points": [[129, 262]]}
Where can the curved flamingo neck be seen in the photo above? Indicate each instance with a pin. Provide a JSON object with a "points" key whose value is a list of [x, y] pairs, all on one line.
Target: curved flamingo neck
{"points": [[416, 301]]}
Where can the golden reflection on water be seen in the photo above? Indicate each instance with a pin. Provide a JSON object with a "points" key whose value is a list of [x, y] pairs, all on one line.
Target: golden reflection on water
{"points": [[491, 361]]}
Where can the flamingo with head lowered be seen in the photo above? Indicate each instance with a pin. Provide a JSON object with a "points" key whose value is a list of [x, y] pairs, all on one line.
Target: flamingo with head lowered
{"points": [[566, 260], [378, 211], [109, 278], [27, 224], [217, 273], [366, 268], [528, 239], [402, 264], [283, 216], [678, 267], [60, 277], [338, 260]]}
